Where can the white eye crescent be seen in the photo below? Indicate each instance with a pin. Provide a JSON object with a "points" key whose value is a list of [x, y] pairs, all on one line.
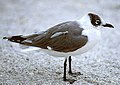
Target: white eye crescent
{"points": [[97, 22]]}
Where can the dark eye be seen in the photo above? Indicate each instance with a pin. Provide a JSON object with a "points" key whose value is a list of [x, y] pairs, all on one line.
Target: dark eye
{"points": [[98, 22]]}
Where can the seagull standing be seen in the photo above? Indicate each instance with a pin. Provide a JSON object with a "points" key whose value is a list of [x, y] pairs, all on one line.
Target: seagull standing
{"points": [[66, 39]]}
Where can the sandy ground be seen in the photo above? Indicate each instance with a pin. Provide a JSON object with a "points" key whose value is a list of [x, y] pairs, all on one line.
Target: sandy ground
{"points": [[99, 66]]}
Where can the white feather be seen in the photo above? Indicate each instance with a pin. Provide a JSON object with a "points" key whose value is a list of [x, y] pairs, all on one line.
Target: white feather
{"points": [[29, 41], [30, 49], [58, 34], [48, 47]]}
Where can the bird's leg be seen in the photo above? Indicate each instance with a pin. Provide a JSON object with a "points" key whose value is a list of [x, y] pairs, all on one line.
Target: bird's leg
{"points": [[65, 64], [70, 70]]}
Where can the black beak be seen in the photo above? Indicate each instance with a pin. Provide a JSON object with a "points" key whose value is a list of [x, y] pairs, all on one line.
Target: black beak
{"points": [[108, 25]]}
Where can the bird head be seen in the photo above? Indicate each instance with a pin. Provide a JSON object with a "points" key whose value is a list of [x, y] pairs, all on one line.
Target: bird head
{"points": [[92, 20]]}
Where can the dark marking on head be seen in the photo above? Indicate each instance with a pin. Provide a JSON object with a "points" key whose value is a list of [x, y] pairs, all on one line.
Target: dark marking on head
{"points": [[95, 19]]}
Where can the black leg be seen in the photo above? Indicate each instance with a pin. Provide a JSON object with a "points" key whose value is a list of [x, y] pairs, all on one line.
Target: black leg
{"points": [[70, 70], [65, 64]]}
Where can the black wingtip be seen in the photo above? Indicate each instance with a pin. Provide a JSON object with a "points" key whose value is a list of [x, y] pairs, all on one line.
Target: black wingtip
{"points": [[7, 38], [4, 37]]}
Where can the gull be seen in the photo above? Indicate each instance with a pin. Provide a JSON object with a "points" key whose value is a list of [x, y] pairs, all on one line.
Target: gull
{"points": [[66, 39]]}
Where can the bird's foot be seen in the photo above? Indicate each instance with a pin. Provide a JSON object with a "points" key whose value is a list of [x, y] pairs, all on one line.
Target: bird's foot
{"points": [[64, 79], [75, 74], [71, 81]]}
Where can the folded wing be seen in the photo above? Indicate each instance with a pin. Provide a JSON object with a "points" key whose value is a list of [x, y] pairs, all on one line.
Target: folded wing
{"points": [[64, 37]]}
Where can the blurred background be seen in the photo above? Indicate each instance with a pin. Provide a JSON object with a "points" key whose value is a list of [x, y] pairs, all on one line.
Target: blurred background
{"points": [[100, 66]]}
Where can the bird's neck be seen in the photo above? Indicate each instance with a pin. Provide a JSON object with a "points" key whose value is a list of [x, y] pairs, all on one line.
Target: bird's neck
{"points": [[84, 25], [85, 22]]}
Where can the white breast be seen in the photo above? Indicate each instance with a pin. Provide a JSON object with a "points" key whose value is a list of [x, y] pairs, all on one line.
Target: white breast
{"points": [[94, 36]]}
